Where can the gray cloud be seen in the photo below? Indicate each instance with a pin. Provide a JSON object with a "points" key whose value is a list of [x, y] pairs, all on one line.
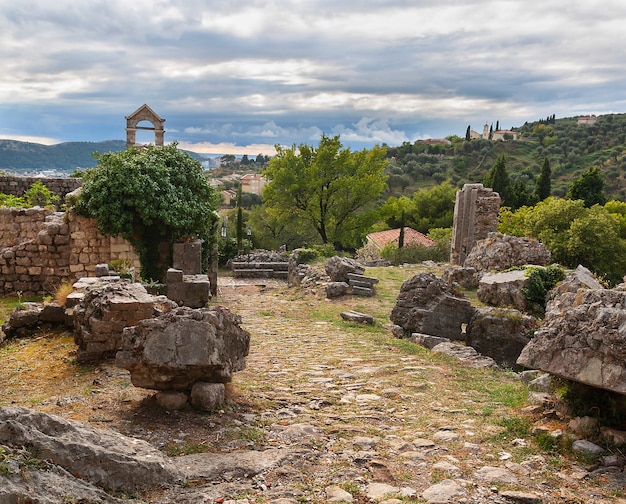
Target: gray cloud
{"points": [[258, 73]]}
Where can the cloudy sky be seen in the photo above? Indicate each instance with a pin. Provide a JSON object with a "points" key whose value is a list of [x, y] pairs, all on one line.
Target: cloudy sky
{"points": [[240, 76]]}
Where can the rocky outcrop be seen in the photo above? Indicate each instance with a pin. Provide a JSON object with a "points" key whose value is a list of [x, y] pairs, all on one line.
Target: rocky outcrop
{"points": [[503, 289], [426, 304], [97, 456], [184, 346], [500, 333], [580, 278], [338, 268], [465, 277], [500, 252], [32, 317], [582, 339]]}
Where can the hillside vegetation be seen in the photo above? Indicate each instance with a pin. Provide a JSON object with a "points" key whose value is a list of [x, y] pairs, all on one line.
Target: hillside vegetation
{"points": [[571, 150]]}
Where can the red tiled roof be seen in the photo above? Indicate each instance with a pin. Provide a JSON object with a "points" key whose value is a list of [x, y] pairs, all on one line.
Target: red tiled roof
{"points": [[411, 237]]}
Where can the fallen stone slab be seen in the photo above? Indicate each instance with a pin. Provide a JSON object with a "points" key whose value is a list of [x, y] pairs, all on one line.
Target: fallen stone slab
{"points": [[465, 354], [428, 341], [361, 318], [362, 291], [362, 278], [98, 456], [336, 289]]}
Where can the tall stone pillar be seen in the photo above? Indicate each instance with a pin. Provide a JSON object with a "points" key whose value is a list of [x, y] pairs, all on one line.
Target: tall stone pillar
{"points": [[475, 216]]}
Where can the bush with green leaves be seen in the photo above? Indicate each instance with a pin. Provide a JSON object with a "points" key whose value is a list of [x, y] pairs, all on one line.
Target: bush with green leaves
{"points": [[540, 282], [414, 253], [151, 197], [39, 195], [573, 234]]}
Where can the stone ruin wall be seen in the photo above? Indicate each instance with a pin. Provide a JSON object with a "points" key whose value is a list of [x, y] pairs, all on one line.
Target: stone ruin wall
{"points": [[475, 216], [17, 186], [41, 249]]}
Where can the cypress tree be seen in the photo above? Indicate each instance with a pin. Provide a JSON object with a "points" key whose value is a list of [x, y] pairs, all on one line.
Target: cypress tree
{"points": [[543, 187], [498, 179], [467, 135], [239, 222]]}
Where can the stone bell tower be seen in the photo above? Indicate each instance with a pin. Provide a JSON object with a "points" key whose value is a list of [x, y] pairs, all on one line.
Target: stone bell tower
{"points": [[144, 113]]}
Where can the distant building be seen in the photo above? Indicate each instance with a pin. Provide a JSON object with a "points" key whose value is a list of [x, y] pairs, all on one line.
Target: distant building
{"points": [[587, 120], [252, 183], [229, 195], [434, 141], [504, 135], [392, 236]]}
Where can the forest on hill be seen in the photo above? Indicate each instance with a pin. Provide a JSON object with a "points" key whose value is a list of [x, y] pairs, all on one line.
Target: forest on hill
{"points": [[571, 149]]}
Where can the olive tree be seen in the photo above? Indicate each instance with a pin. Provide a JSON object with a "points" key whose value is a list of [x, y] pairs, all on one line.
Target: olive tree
{"points": [[149, 196]]}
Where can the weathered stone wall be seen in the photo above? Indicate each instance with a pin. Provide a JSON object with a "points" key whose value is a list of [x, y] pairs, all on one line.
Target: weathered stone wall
{"points": [[475, 216], [41, 249], [17, 186]]}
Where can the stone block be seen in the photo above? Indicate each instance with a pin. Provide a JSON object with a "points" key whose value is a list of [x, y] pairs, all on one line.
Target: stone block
{"points": [[427, 341], [361, 318], [207, 396], [174, 275]]}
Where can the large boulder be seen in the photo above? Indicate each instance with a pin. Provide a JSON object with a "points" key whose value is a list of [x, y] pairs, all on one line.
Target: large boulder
{"points": [[583, 339], [184, 346], [105, 309], [429, 305], [500, 333], [338, 268], [500, 252], [503, 289], [98, 456]]}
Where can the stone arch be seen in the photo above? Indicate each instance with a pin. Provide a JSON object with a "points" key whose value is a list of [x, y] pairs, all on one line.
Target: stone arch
{"points": [[144, 113]]}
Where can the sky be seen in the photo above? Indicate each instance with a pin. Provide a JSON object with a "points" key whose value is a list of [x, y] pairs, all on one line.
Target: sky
{"points": [[239, 77]]}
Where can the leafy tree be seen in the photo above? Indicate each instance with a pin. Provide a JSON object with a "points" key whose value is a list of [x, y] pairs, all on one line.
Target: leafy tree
{"points": [[573, 234], [498, 179], [273, 229], [543, 187], [589, 187], [149, 196], [433, 208], [594, 240], [331, 188], [395, 211]]}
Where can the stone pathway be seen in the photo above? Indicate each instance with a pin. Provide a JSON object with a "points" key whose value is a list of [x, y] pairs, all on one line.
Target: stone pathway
{"points": [[336, 415]]}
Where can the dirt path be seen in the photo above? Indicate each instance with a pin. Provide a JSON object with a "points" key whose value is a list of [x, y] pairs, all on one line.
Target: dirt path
{"points": [[330, 411]]}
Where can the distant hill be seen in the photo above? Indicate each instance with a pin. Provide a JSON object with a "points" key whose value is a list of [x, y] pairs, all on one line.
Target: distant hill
{"points": [[67, 157], [570, 148]]}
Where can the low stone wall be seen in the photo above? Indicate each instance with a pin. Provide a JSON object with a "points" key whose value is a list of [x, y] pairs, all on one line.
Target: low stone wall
{"points": [[41, 249], [17, 186]]}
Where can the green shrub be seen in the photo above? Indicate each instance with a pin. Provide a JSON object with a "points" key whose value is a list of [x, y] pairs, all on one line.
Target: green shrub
{"points": [[39, 195], [327, 250], [540, 281], [307, 255]]}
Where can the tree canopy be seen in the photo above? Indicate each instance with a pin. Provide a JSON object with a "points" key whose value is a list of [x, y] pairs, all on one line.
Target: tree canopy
{"points": [[574, 234], [589, 187], [331, 188], [148, 196]]}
